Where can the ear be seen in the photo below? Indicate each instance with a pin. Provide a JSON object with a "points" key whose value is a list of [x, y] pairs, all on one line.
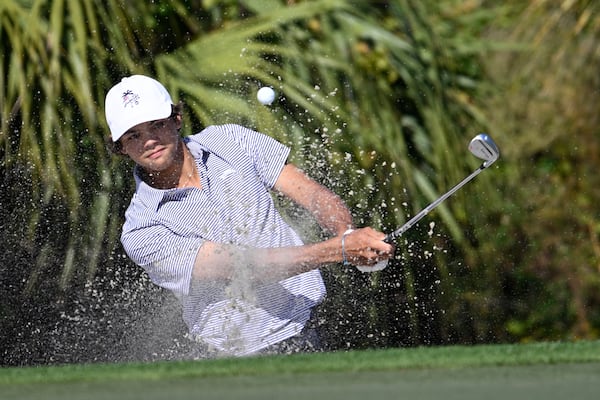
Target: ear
{"points": [[121, 148], [178, 122]]}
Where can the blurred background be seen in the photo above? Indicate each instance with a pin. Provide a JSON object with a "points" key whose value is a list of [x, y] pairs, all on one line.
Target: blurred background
{"points": [[377, 99]]}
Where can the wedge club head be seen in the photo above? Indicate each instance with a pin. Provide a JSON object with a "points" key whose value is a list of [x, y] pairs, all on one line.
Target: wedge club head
{"points": [[483, 147]]}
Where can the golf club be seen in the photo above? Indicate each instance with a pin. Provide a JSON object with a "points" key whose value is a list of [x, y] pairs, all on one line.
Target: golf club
{"points": [[483, 147]]}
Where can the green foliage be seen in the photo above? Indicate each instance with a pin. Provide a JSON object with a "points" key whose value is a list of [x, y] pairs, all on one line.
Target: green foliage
{"points": [[377, 101], [545, 111]]}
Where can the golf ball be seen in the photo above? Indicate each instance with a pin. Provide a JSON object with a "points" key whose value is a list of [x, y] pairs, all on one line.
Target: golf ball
{"points": [[265, 95]]}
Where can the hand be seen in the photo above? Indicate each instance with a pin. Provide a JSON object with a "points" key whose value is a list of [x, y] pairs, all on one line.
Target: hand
{"points": [[365, 247]]}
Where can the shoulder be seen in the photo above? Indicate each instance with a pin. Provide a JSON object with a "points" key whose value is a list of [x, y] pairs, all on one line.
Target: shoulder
{"points": [[217, 137], [225, 130]]}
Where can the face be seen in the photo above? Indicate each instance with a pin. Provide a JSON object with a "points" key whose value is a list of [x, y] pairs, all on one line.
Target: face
{"points": [[153, 145]]}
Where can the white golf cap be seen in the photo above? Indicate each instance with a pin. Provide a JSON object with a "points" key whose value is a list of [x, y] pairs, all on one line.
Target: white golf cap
{"points": [[134, 100]]}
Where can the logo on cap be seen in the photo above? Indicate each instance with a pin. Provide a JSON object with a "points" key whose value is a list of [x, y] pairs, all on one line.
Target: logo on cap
{"points": [[130, 99]]}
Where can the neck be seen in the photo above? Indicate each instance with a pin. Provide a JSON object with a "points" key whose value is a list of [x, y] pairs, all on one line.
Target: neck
{"points": [[189, 176]]}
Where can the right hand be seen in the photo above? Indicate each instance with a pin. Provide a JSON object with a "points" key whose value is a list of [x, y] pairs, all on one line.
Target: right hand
{"points": [[365, 247]]}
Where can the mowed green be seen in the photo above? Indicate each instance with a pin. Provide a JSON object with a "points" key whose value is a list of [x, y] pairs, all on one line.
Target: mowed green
{"points": [[539, 370]]}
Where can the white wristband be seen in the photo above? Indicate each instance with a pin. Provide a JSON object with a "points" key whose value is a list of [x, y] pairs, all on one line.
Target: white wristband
{"points": [[344, 259]]}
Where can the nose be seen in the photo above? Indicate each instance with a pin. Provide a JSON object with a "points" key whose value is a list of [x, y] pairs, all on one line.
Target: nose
{"points": [[150, 138]]}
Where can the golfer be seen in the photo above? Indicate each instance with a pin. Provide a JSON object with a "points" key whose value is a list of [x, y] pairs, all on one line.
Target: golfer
{"points": [[202, 223]]}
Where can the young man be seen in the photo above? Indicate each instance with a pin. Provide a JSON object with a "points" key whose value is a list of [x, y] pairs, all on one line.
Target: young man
{"points": [[203, 224]]}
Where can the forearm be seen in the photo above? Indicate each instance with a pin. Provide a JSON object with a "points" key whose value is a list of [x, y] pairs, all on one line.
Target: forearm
{"points": [[328, 208], [264, 264], [330, 211], [363, 246]]}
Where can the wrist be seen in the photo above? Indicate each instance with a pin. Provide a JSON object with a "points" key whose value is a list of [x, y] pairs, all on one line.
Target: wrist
{"points": [[344, 229]]}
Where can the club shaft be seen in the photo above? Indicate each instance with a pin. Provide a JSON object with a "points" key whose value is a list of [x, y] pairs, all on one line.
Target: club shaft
{"points": [[398, 232]]}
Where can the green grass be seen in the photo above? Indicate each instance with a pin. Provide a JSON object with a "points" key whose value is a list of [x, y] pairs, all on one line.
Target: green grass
{"points": [[540, 367]]}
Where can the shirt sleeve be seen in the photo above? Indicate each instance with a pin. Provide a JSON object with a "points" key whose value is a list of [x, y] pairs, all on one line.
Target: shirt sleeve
{"points": [[268, 155], [168, 258]]}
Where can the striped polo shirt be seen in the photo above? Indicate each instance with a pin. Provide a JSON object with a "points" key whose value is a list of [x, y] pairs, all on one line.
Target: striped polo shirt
{"points": [[164, 230]]}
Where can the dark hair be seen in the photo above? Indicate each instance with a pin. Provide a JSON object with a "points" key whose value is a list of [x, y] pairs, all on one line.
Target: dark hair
{"points": [[116, 147]]}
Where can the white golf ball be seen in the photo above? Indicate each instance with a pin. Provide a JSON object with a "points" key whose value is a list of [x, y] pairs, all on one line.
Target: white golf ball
{"points": [[265, 95]]}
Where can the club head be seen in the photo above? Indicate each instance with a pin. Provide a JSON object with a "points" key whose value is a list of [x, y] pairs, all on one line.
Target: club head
{"points": [[483, 147]]}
